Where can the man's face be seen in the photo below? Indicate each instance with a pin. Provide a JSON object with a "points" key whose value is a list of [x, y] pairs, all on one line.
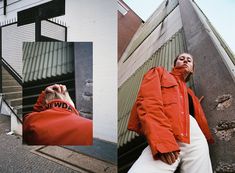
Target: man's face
{"points": [[185, 60]]}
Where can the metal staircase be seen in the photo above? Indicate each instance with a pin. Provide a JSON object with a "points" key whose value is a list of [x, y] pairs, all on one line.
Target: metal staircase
{"points": [[12, 91], [11, 96]]}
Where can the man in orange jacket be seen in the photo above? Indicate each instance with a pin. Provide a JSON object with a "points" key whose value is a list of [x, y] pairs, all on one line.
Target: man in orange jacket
{"points": [[172, 120], [55, 120]]}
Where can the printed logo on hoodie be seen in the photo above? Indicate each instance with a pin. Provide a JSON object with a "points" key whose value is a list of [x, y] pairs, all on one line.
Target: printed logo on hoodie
{"points": [[59, 105]]}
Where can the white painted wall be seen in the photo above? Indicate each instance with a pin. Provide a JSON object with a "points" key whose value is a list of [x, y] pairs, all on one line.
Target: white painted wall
{"points": [[16, 126], [96, 21]]}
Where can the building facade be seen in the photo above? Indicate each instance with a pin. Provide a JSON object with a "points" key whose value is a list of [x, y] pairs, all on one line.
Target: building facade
{"points": [[70, 21], [175, 27], [128, 23]]}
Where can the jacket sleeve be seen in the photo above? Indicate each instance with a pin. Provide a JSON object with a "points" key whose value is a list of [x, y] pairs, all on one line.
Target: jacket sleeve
{"points": [[200, 117], [39, 105], [155, 124]]}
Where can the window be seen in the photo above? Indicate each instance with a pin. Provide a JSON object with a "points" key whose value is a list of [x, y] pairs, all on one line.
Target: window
{"points": [[122, 8]]}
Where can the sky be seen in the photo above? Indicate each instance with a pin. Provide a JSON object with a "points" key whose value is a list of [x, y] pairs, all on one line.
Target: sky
{"points": [[221, 14]]}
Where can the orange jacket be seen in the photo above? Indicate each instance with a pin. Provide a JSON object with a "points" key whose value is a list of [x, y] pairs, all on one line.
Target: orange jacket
{"points": [[157, 112], [57, 123]]}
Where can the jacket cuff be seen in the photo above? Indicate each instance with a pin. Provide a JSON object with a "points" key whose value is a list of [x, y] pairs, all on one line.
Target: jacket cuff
{"points": [[163, 148]]}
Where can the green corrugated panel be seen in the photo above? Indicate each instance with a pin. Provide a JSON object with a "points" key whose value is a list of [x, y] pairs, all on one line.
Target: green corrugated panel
{"points": [[127, 92], [42, 60], [152, 23]]}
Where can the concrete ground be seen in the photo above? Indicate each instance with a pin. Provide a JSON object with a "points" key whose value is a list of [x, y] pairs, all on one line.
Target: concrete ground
{"points": [[18, 158]]}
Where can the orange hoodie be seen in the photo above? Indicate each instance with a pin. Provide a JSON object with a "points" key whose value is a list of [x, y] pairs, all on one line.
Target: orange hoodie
{"points": [[56, 123], [161, 111]]}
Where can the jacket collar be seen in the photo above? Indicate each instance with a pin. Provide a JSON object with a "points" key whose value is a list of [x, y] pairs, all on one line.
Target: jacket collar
{"points": [[180, 73]]}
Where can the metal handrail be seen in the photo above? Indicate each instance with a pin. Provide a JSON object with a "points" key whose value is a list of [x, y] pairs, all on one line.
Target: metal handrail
{"points": [[12, 71], [12, 110]]}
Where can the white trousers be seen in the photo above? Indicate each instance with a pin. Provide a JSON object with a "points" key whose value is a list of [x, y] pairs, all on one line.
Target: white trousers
{"points": [[193, 158]]}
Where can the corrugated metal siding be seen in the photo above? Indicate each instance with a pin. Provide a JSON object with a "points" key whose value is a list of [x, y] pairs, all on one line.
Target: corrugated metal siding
{"points": [[53, 30], [12, 39], [127, 93], [43, 60], [157, 17], [153, 42]]}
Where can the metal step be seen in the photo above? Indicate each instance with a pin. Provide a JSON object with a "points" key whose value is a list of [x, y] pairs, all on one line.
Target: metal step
{"points": [[15, 102], [15, 88], [11, 82], [12, 95], [12, 92], [4, 71], [34, 89], [18, 109], [27, 108], [6, 77], [20, 116]]}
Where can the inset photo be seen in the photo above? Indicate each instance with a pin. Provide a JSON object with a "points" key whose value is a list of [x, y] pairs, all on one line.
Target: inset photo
{"points": [[57, 93]]}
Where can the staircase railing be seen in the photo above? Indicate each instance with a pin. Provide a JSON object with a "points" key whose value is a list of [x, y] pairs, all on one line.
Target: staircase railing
{"points": [[17, 77], [12, 71], [18, 118]]}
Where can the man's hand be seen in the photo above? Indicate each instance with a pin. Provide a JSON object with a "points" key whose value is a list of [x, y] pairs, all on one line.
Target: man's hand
{"points": [[169, 158], [56, 88], [61, 90]]}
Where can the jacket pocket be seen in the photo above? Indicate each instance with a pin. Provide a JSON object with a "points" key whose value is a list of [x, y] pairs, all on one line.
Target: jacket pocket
{"points": [[169, 89]]}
